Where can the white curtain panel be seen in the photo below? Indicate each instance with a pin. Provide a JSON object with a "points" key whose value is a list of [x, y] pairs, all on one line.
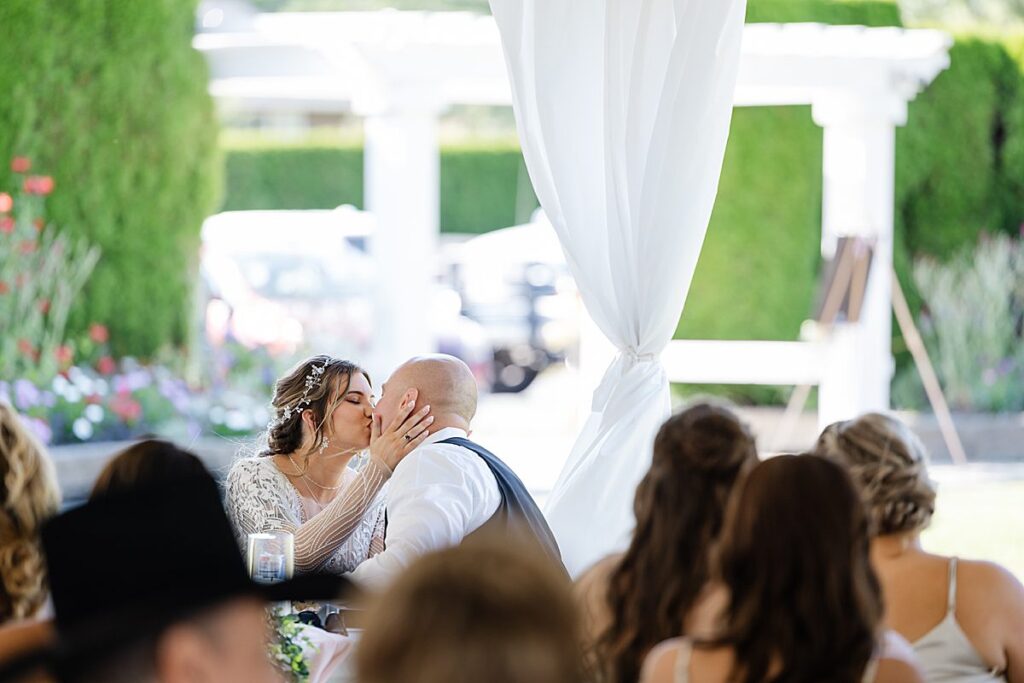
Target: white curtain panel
{"points": [[623, 110]]}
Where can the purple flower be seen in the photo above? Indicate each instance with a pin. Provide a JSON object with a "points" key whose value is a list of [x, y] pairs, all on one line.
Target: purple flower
{"points": [[38, 428], [174, 391], [48, 399], [137, 379], [26, 395]]}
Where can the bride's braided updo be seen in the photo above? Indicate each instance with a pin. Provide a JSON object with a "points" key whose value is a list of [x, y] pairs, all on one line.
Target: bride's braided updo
{"points": [[889, 465], [316, 384]]}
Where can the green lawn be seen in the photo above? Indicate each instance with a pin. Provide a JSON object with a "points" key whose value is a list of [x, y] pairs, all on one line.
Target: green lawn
{"points": [[980, 518]]}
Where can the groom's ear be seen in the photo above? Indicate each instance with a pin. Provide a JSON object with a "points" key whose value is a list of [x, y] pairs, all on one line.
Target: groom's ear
{"points": [[410, 395]]}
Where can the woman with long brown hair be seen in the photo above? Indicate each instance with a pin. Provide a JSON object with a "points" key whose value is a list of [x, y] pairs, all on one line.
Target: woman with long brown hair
{"points": [[28, 497], [800, 601], [635, 600], [302, 483], [964, 619]]}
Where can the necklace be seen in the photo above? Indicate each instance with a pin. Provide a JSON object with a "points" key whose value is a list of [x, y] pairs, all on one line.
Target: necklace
{"points": [[307, 478]]}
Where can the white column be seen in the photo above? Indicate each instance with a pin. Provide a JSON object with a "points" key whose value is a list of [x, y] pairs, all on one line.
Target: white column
{"points": [[402, 190], [858, 198]]}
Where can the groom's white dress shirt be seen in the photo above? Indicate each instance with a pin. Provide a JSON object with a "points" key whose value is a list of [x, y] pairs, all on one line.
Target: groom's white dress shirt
{"points": [[438, 494]]}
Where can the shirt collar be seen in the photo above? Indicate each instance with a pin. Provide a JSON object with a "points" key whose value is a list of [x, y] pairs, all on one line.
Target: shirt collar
{"points": [[446, 433]]}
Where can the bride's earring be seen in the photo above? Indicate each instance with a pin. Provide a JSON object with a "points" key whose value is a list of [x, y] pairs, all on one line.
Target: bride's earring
{"points": [[324, 445]]}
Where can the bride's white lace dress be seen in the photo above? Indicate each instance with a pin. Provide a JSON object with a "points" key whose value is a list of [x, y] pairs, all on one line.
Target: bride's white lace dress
{"points": [[337, 539]]}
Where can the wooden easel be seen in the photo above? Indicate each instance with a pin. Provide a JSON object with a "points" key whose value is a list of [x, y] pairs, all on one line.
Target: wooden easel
{"points": [[846, 279]]}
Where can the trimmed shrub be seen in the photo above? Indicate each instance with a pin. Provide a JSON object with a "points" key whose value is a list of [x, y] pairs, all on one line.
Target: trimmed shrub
{"points": [[110, 98], [864, 12], [304, 176]]}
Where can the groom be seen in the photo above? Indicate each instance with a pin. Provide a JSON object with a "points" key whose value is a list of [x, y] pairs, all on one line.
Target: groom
{"points": [[449, 488]]}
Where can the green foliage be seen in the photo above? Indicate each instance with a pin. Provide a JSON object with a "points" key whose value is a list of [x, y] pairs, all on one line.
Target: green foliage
{"points": [[42, 272], [301, 176], [766, 227], [110, 98], [865, 12], [975, 305], [950, 164]]}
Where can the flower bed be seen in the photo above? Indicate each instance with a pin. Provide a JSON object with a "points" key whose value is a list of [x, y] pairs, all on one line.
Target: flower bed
{"points": [[73, 390]]}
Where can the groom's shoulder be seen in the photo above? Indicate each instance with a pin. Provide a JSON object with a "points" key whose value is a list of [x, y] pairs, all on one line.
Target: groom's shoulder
{"points": [[443, 459]]}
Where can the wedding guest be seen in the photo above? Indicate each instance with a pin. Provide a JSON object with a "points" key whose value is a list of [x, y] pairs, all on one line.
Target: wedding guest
{"points": [[149, 586], [28, 497], [798, 600], [148, 463], [491, 609], [634, 600], [302, 482], [965, 619]]}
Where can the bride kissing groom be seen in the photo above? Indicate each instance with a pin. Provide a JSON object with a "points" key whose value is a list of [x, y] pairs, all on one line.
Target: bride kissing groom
{"points": [[425, 486]]}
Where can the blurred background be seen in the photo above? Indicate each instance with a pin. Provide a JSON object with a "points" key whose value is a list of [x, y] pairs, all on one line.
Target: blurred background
{"points": [[178, 228]]}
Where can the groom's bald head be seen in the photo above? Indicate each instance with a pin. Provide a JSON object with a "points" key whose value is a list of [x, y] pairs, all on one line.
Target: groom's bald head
{"points": [[443, 382]]}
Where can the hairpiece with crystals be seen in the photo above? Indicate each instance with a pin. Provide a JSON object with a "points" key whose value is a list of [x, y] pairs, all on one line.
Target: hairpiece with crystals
{"points": [[313, 380]]}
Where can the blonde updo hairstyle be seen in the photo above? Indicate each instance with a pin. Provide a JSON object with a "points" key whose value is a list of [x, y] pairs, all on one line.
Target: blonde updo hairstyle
{"points": [[304, 389], [889, 465], [28, 496]]}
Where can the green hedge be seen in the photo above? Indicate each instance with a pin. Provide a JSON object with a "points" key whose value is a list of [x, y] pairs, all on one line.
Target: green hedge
{"points": [[110, 99], [864, 12]]}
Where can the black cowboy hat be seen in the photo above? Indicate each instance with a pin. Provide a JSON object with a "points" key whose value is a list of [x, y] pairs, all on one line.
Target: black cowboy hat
{"points": [[125, 566]]}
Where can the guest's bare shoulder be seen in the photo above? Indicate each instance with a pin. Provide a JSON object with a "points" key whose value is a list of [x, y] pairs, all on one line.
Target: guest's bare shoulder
{"points": [[591, 594], [898, 671], [989, 594], [597, 576], [660, 664]]}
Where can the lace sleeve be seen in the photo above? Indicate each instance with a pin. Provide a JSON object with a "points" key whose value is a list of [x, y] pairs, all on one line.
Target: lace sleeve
{"points": [[255, 500], [379, 529], [320, 537]]}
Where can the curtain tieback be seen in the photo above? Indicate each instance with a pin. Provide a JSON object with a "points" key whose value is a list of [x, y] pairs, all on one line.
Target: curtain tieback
{"points": [[632, 355]]}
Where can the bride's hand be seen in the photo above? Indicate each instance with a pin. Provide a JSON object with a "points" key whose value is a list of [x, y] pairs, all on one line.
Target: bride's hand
{"points": [[400, 438]]}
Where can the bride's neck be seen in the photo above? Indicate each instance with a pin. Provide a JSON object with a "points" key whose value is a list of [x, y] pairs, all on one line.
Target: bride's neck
{"points": [[324, 469]]}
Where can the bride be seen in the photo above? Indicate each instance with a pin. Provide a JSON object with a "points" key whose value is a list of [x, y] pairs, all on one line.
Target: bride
{"points": [[301, 483]]}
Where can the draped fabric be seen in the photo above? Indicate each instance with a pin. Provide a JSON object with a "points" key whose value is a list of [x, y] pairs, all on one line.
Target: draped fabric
{"points": [[623, 110]]}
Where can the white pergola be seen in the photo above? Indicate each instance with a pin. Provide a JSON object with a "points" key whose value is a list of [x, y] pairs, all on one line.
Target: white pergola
{"points": [[401, 70]]}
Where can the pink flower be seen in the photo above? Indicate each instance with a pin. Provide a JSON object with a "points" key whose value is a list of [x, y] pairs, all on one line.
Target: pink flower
{"points": [[27, 247], [64, 355], [25, 346], [20, 164], [3, 287], [6, 202], [6, 225], [39, 184], [99, 333], [106, 365], [40, 224], [44, 306], [125, 407]]}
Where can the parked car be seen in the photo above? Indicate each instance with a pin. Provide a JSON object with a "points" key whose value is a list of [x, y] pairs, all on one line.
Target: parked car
{"points": [[516, 284], [291, 280]]}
